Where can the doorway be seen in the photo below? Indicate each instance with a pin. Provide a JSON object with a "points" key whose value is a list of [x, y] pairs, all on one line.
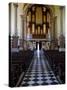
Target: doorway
{"points": [[38, 45]]}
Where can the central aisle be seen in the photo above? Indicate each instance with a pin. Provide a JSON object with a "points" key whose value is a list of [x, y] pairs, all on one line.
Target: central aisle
{"points": [[39, 72]]}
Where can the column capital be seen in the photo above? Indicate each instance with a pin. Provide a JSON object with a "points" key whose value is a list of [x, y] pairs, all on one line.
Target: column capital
{"points": [[15, 4]]}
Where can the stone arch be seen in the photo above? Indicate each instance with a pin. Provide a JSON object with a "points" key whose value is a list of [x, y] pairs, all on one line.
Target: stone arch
{"points": [[51, 10]]}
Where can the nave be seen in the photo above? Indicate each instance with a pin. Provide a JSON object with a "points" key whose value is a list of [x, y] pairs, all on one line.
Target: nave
{"points": [[39, 72], [32, 26]]}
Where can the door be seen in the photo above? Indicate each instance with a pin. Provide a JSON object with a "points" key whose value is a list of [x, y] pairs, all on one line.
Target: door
{"points": [[40, 45]]}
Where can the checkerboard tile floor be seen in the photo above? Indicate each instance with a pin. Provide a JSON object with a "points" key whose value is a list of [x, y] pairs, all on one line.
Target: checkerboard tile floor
{"points": [[39, 72]]}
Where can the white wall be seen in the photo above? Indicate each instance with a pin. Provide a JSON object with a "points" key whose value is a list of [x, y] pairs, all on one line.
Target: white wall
{"points": [[58, 14], [19, 20]]}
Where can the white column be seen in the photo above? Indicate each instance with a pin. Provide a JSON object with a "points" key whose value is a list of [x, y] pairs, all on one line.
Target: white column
{"points": [[22, 32], [14, 26], [62, 36], [9, 19], [62, 20], [15, 6]]}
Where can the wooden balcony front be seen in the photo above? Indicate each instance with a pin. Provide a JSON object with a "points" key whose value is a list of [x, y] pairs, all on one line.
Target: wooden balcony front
{"points": [[38, 36]]}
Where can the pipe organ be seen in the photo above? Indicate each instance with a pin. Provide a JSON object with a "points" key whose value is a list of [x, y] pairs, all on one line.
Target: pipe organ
{"points": [[38, 21]]}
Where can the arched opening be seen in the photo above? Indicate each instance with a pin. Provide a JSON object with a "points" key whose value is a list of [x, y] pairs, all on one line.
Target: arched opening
{"points": [[38, 22]]}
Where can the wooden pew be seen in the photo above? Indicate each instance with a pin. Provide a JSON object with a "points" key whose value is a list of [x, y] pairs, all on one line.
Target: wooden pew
{"points": [[18, 63], [56, 60]]}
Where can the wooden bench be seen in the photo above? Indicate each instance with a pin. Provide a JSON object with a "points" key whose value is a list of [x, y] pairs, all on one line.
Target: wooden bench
{"points": [[56, 60], [18, 63]]}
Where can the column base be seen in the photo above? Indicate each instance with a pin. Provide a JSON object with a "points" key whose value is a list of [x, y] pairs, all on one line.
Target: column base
{"points": [[15, 42]]}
